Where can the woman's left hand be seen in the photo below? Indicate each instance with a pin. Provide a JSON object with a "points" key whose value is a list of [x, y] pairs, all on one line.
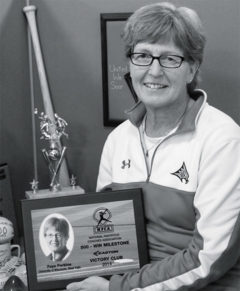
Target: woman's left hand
{"points": [[90, 284]]}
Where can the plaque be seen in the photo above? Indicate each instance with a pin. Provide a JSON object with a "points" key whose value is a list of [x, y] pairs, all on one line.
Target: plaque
{"points": [[73, 237]]}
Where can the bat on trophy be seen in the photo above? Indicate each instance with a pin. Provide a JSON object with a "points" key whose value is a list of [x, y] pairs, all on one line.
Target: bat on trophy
{"points": [[30, 12], [52, 126]]}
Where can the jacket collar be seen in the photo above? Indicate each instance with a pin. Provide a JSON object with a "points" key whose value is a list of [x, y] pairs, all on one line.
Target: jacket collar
{"points": [[199, 99]]}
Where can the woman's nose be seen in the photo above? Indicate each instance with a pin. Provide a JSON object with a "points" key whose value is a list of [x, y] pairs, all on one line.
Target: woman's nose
{"points": [[155, 68], [55, 237]]}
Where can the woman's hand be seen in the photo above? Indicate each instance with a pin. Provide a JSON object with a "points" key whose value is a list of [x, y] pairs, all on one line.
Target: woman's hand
{"points": [[90, 284]]}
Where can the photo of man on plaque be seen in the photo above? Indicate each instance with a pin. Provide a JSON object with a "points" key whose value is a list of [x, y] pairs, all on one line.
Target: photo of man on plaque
{"points": [[55, 238]]}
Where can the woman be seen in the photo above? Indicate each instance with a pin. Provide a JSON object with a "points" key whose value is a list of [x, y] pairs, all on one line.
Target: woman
{"points": [[56, 233], [183, 153]]}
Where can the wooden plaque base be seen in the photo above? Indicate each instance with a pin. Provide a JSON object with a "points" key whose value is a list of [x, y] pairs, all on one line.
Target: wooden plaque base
{"points": [[46, 193]]}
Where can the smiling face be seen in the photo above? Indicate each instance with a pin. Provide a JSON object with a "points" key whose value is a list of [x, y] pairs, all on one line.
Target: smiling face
{"points": [[56, 240], [158, 87]]}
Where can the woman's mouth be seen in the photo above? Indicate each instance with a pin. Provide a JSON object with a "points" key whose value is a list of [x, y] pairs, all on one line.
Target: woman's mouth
{"points": [[155, 86]]}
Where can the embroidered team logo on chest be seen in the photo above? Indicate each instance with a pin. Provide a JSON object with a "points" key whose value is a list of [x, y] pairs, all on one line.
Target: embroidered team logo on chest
{"points": [[182, 174]]}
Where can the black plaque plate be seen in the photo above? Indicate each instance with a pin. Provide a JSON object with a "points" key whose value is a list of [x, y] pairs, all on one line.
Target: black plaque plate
{"points": [[106, 236]]}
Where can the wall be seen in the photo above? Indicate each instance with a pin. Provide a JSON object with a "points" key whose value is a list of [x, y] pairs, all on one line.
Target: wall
{"points": [[15, 118], [71, 43]]}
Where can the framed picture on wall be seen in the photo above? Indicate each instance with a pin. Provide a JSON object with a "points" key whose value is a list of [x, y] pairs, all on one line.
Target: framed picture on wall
{"points": [[118, 93]]}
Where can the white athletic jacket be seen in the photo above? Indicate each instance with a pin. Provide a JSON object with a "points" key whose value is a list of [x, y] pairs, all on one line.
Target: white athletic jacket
{"points": [[191, 199]]}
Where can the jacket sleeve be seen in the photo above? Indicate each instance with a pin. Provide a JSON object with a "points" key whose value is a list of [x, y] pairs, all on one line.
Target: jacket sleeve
{"points": [[214, 248]]}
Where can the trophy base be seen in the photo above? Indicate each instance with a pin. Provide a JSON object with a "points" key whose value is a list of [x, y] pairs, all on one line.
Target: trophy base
{"points": [[46, 193]]}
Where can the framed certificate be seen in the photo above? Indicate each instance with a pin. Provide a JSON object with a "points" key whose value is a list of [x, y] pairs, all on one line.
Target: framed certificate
{"points": [[73, 237]]}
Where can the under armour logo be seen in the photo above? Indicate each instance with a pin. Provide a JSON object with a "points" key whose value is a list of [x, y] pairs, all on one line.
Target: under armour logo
{"points": [[125, 164], [182, 174]]}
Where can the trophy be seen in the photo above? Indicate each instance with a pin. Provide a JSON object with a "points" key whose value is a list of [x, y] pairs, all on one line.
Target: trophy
{"points": [[52, 126], [52, 131]]}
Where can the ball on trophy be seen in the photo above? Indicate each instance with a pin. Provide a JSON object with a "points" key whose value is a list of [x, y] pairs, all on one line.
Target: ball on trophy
{"points": [[54, 154], [6, 230]]}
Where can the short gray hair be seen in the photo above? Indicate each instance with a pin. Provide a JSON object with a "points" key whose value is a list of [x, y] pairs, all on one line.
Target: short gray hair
{"points": [[163, 22], [59, 224]]}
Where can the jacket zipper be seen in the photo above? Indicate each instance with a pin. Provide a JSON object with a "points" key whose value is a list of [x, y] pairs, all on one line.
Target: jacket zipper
{"points": [[149, 170]]}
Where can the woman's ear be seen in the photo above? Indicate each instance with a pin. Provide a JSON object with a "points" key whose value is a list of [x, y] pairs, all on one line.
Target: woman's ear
{"points": [[193, 70]]}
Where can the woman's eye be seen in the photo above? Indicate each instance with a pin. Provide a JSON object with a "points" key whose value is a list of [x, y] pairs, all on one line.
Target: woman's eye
{"points": [[142, 56], [170, 59], [173, 59]]}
